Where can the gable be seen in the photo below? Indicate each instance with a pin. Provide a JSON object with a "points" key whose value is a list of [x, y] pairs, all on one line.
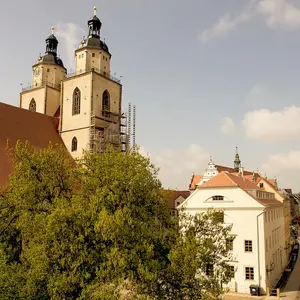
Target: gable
{"points": [[234, 197], [268, 187]]}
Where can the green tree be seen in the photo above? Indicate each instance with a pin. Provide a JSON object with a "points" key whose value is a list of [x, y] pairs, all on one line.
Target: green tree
{"points": [[100, 229], [200, 259]]}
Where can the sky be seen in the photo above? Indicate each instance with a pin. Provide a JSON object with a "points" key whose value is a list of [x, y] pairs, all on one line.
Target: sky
{"points": [[205, 75]]}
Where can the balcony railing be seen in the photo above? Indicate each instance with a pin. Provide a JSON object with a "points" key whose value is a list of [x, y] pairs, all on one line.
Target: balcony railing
{"points": [[41, 84], [98, 71]]}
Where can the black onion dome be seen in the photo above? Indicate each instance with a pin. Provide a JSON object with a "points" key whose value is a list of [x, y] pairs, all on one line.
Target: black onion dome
{"points": [[59, 62], [52, 37], [49, 58], [95, 22], [94, 25]]}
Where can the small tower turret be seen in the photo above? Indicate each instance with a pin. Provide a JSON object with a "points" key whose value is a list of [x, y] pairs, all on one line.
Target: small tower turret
{"points": [[237, 161], [51, 43], [94, 25]]}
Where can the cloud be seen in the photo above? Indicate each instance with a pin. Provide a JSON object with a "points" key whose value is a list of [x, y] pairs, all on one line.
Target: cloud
{"points": [[227, 126], [177, 165], [260, 96], [286, 167], [257, 93], [279, 13], [276, 14], [226, 24], [69, 35], [273, 125]]}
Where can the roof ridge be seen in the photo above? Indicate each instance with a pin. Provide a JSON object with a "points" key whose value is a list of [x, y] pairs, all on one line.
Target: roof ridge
{"points": [[228, 176]]}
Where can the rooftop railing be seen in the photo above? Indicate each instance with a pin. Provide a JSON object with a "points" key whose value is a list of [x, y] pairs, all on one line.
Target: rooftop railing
{"points": [[98, 71], [41, 84]]}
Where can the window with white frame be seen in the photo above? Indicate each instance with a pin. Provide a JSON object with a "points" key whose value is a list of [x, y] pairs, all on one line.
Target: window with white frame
{"points": [[248, 246], [249, 273]]}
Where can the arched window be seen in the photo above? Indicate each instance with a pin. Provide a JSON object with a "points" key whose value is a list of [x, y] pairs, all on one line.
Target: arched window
{"points": [[76, 102], [32, 105], [105, 104], [74, 144], [218, 198]]}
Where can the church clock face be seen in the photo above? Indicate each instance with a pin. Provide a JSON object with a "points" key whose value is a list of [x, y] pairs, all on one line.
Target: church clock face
{"points": [[37, 72]]}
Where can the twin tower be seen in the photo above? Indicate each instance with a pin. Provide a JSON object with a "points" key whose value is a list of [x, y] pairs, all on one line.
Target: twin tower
{"points": [[87, 103]]}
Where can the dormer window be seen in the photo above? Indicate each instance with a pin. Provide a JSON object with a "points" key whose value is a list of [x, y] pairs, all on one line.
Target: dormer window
{"points": [[218, 198]]}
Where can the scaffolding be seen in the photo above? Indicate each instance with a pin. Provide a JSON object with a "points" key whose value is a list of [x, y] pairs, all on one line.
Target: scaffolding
{"points": [[110, 129], [131, 115]]}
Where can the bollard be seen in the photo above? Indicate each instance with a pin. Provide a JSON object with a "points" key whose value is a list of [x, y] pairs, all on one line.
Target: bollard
{"points": [[268, 291], [278, 293]]}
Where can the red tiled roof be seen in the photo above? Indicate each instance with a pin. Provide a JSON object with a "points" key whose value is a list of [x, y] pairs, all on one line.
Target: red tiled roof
{"points": [[225, 179], [24, 125], [197, 178], [271, 181], [194, 181], [230, 170]]}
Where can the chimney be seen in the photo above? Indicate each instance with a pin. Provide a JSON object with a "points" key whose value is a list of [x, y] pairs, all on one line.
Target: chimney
{"points": [[241, 171], [254, 177]]}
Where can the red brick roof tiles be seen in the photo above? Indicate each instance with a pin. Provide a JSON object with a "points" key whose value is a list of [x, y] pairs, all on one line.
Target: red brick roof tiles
{"points": [[20, 124]]}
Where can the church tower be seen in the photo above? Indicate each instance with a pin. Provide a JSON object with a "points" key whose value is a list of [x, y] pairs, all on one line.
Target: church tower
{"points": [[90, 114], [237, 161], [43, 95]]}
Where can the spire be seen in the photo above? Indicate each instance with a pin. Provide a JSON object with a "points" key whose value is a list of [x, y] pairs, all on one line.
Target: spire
{"points": [[51, 43], [51, 51], [237, 161], [94, 25]]}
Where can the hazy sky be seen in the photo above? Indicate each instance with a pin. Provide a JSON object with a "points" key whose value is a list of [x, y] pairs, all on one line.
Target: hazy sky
{"points": [[205, 75]]}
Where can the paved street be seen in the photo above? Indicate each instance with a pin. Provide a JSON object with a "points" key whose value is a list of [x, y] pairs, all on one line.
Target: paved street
{"points": [[291, 290]]}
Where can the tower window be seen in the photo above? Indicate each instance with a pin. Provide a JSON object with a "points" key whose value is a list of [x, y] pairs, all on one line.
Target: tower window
{"points": [[74, 144], [32, 105], [93, 54], [105, 104], [76, 102]]}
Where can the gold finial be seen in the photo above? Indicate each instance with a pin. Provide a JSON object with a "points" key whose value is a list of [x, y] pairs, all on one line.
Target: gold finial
{"points": [[95, 10], [52, 29]]}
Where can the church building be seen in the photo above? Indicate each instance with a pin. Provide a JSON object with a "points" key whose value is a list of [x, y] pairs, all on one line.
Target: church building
{"points": [[88, 103], [81, 111]]}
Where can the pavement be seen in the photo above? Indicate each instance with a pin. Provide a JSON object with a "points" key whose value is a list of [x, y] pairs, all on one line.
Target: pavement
{"points": [[292, 288]]}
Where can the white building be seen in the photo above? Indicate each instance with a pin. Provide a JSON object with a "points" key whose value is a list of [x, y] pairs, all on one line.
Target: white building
{"points": [[257, 227]]}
